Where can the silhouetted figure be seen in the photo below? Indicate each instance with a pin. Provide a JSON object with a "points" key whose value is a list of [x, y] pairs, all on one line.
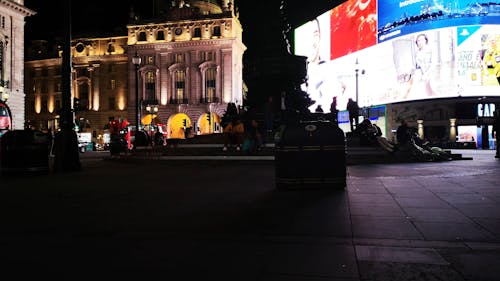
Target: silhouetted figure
{"points": [[402, 133], [485, 137], [353, 109], [334, 111], [233, 134]]}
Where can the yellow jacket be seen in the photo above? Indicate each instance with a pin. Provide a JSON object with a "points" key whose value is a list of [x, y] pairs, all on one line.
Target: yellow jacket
{"points": [[492, 58]]}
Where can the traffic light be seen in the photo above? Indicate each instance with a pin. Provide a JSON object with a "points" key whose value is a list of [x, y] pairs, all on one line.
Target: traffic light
{"points": [[208, 118], [76, 104], [184, 123]]}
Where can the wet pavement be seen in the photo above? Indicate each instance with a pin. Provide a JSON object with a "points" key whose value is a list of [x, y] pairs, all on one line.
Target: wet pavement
{"points": [[160, 219]]}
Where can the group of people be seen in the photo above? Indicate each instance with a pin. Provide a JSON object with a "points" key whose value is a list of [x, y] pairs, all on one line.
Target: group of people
{"points": [[409, 140], [243, 134]]}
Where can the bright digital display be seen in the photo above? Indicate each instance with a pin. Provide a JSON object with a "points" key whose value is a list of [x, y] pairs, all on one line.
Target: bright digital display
{"points": [[427, 58], [398, 18]]}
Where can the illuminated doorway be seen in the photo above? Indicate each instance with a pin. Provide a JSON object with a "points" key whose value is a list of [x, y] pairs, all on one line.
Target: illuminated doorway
{"points": [[179, 126], [209, 123]]}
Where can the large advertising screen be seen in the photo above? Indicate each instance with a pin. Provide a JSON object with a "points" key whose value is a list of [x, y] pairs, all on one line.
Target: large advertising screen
{"points": [[398, 18], [435, 58]]}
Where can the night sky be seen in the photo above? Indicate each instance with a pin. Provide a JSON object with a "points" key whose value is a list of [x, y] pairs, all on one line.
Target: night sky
{"points": [[108, 17]]}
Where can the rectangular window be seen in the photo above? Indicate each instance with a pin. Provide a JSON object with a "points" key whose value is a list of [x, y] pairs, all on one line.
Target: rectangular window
{"points": [[180, 77], [150, 86], [112, 84], [179, 58], [209, 56], [45, 86], [57, 86], [83, 91], [112, 103], [82, 72], [58, 105], [44, 105], [210, 80]]}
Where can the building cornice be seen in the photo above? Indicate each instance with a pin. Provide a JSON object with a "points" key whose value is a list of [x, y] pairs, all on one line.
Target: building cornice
{"points": [[184, 44], [17, 8], [177, 23], [43, 62], [107, 58]]}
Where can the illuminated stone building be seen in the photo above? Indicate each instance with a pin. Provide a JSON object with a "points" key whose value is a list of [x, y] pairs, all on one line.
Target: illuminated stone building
{"points": [[99, 83], [12, 16], [191, 60]]}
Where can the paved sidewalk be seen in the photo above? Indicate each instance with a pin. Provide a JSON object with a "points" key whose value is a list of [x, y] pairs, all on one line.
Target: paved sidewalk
{"points": [[166, 220]]}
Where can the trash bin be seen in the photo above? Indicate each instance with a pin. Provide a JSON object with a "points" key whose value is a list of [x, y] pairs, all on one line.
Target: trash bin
{"points": [[25, 151], [311, 154]]}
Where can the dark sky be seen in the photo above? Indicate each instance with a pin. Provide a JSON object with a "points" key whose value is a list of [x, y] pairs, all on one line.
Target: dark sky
{"points": [[89, 16]]}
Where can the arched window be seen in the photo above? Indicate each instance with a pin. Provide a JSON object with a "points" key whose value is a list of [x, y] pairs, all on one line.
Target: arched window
{"points": [[142, 36], [210, 83], [216, 31], [197, 32], [160, 35], [150, 86]]}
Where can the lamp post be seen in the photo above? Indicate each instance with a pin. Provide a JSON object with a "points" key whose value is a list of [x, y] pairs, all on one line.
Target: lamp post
{"points": [[136, 61], [357, 71], [151, 110]]}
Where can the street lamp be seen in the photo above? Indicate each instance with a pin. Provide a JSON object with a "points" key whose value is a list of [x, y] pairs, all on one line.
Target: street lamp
{"points": [[136, 60], [151, 110], [357, 69]]}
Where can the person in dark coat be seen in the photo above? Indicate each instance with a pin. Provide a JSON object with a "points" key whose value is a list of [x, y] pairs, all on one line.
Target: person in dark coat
{"points": [[334, 111], [402, 134], [353, 109]]}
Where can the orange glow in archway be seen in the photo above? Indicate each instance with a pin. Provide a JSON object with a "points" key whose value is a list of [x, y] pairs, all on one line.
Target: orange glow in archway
{"points": [[177, 125], [209, 127]]}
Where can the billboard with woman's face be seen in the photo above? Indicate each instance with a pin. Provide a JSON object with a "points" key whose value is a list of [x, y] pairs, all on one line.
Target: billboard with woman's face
{"points": [[423, 59]]}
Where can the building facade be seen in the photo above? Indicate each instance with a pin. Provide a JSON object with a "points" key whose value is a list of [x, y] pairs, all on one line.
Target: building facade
{"points": [[188, 67], [12, 19]]}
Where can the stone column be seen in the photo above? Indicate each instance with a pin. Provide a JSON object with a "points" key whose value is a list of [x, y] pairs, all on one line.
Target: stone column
{"points": [[420, 128], [453, 129], [95, 87]]}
